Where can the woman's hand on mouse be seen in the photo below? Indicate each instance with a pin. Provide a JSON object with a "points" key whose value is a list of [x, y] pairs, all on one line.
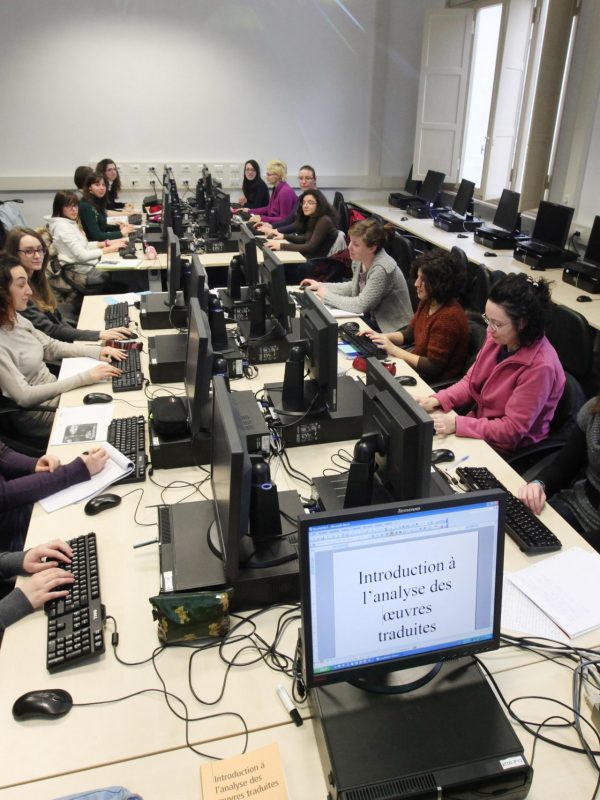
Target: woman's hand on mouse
{"points": [[46, 556], [107, 353], [95, 459], [46, 585], [114, 333], [103, 372], [47, 463], [444, 424]]}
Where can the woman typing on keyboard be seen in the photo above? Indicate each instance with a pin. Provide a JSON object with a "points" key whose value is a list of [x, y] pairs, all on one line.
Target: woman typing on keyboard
{"points": [[516, 381], [24, 376]]}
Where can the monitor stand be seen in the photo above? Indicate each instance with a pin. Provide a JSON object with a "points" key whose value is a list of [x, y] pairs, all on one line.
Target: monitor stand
{"points": [[449, 738]]}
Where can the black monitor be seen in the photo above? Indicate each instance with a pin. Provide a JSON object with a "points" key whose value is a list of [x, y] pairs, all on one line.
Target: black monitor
{"points": [[173, 269], [432, 186], [198, 369], [463, 198], [552, 223], [592, 251], [391, 587], [507, 214], [198, 286], [247, 517]]}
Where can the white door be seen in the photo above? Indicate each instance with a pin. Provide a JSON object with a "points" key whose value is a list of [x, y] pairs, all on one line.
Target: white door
{"points": [[445, 64]]}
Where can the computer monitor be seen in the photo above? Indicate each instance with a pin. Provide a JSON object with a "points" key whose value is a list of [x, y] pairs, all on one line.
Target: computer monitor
{"points": [[173, 269], [198, 286], [463, 198], [396, 586], [432, 186], [507, 213], [241, 488], [552, 223], [592, 251], [198, 369]]}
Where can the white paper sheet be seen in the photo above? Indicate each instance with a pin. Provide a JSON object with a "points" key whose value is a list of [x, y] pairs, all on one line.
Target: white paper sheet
{"points": [[82, 424]]}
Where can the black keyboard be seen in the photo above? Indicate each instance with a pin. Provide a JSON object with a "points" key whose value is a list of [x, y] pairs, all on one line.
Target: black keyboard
{"points": [[362, 344], [522, 525], [75, 622], [117, 315], [128, 435], [132, 377]]}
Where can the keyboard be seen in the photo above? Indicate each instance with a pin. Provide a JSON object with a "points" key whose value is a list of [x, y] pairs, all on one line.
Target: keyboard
{"points": [[128, 435], [75, 622], [362, 344], [527, 530], [132, 377], [117, 315]]}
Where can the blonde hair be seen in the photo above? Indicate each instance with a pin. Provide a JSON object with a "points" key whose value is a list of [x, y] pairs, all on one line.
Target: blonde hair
{"points": [[278, 167]]}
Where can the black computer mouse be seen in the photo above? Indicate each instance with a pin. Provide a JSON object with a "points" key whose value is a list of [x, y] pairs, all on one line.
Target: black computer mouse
{"points": [[403, 219], [350, 327], [584, 298], [97, 397], [406, 380], [100, 503], [463, 236], [42, 704], [441, 455], [489, 254]]}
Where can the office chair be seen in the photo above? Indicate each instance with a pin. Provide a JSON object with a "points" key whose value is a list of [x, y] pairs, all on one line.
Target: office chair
{"points": [[342, 210]]}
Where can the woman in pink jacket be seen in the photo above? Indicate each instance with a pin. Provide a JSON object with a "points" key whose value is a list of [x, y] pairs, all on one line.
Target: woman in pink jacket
{"points": [[516, 381]]}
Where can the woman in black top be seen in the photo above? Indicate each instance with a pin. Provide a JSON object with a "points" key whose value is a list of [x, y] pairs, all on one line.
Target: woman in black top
{"points": [[108, 169], [256, 191], [92, 212], [314, 227]]}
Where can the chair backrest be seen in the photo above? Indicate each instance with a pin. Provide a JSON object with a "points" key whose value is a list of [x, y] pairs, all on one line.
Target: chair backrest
{"points": [[572, 338], [340, 206]]}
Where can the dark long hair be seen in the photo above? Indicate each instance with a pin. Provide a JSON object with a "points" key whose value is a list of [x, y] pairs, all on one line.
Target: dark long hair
{"points": [[324, 208], [43, 296]]}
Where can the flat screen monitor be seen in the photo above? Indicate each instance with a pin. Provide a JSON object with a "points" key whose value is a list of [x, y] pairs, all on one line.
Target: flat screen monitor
{"points": [[272, 275], [432, 186], [173, 267], [400, 585], [247, 249], [552, 223], [592, 251], [319, 331], [222, 207], [507, 213], [199, 282], [463, 197], [198, 368]]}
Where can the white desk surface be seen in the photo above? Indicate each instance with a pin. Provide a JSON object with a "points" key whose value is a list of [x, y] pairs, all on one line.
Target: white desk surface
{"points": [[138, 742]]}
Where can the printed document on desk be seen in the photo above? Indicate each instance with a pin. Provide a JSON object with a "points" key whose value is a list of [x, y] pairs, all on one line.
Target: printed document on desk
{"points": [[115, 468], [566, 587]]}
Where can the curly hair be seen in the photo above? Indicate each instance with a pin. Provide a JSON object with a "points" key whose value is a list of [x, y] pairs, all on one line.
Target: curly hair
{"points": [[7, 309], [303, 222], [43, 296], [526, 301], [442, 279]]}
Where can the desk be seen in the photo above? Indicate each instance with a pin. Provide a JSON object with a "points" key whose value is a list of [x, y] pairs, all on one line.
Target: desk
{"points": [[138, 742]]}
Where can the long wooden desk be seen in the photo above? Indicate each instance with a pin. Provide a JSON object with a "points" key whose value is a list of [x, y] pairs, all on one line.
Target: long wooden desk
{"points": [[138, 742]]}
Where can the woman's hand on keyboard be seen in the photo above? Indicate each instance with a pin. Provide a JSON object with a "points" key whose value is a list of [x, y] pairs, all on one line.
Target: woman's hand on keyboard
{"points": [[95, 459]]}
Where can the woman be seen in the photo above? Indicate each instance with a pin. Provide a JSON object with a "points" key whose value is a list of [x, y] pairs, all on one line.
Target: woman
{"points": [[283, 199], [517, 379], [29, 248], [378, 289], [572, 478], [439, 329], [256, 191], [92, 211], [315, 229], [24, 377], [108, 169], [24, 480]]}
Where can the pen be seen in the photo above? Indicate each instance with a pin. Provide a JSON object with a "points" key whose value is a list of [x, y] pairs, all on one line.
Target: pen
{"points": [[144, 543], [286, 702]]}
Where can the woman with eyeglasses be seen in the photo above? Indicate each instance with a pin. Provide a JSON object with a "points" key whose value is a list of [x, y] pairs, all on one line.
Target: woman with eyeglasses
{"points": [[24, 376], [29, 248], [314, 227], [517, 379]]}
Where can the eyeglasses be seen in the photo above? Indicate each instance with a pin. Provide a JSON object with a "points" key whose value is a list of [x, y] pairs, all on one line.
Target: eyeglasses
{"points": [[33, 251], [495, 326]]}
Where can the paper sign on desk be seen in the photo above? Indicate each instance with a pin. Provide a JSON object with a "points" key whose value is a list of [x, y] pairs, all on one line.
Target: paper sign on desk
{"points": [[258, 774], [116, 467], [566, 587], [81, 424]]}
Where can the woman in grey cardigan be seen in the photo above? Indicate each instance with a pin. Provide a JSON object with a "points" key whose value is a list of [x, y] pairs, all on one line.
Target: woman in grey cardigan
{"points": [[378, 288]]}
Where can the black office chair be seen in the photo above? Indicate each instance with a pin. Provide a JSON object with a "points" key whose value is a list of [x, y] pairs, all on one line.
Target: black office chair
{"points": [[339, 205]]}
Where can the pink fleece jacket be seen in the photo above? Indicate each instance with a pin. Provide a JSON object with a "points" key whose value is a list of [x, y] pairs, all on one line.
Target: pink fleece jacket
{"points": [[514, 400]]}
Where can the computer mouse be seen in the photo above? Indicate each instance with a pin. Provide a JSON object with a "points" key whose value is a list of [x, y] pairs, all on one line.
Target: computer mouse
{"points": [[350, 327], [463, 236], [100, 503], [97, 397], [406, 380], [403, 219], [489, 254], [42, 704], [441, 455], [584, 298]]}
